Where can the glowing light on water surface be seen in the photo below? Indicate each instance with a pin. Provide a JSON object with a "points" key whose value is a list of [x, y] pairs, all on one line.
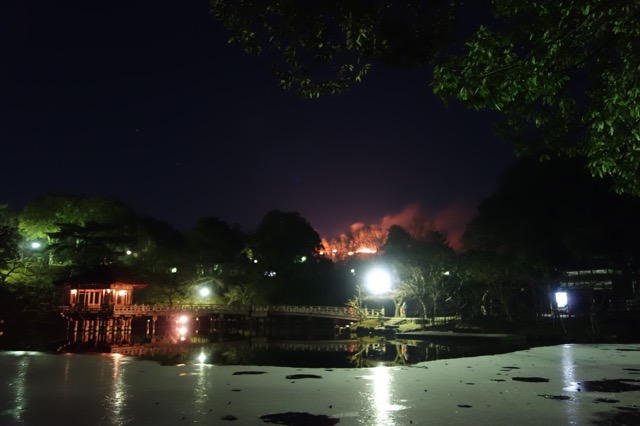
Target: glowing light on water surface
{"points": [[569, 381], [19, 386], [381, 397], [116, 399]]}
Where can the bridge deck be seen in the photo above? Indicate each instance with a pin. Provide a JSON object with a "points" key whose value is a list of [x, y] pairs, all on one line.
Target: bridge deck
{"points": [[335, 312]]}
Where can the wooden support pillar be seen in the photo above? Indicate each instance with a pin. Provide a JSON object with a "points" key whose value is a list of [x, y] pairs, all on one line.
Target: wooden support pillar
{"points": [[109, 335], [75, 330]]}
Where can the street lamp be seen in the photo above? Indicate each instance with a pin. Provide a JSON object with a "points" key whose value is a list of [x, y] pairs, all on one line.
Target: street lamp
{"points": [[562, 300], [378, 282]]}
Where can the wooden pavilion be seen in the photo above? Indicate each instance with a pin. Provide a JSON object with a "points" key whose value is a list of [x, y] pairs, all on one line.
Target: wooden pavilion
{"points": [[90, 300], [100, 290]]}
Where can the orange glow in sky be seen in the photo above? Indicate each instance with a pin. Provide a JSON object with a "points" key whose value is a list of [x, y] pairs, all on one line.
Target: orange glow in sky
{"points": [[366, 240]]}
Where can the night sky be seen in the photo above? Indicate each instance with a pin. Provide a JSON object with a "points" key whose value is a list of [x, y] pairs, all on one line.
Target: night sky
{"points": [[145, 101]]}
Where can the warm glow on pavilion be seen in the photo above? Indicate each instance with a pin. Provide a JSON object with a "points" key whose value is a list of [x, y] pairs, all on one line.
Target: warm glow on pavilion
{"points": [[100, 289]]}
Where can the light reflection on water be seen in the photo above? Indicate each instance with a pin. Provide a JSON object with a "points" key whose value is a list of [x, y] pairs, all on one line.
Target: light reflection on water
{"points": [[322, 348], [19, 386], [201, 396], [381, 397], [569, 381], [115, 400], [367, 352]]}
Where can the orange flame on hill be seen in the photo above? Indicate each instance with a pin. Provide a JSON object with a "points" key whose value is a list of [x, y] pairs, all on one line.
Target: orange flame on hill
{"points": [[367, 240]]}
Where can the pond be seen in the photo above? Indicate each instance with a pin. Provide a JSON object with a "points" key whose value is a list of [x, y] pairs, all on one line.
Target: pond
{"points": [[313, 345], [336, 353]]}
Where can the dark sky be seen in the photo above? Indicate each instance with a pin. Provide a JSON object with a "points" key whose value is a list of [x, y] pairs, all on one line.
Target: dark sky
{"points": [[145, 101]]}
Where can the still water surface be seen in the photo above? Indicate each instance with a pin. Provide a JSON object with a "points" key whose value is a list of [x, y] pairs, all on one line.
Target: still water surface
{"points": [[306, 347], [333, 353]]}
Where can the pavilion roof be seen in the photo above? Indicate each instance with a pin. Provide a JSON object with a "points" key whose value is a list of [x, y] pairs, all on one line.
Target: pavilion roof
{"points": [[103, 276]]}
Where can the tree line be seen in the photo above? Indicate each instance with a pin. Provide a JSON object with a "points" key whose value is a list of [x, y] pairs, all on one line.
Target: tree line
{"points": [[57, 236], [543, 219]]}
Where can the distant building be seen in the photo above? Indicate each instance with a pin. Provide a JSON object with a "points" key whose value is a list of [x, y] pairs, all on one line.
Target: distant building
{"points": [[584, 290]]}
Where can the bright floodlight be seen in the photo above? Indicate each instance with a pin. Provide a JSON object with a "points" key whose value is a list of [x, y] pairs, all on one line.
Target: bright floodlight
{"points": [[35, 245], [378, 281], [204, 291], [561, 299]]}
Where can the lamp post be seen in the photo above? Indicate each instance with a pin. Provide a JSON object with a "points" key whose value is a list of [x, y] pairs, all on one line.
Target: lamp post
{"points": [[378, 283]]}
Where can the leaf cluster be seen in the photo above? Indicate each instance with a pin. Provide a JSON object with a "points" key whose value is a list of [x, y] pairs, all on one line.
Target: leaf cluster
{"points": [[325, 46], [565, 76]]}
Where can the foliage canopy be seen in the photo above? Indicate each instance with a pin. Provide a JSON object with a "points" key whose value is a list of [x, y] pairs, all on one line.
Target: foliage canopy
{"points": [[564, 74], [325, 46]]}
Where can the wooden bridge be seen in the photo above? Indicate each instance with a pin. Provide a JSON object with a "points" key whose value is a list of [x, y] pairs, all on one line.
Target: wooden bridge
{"points": [[332, 312]]}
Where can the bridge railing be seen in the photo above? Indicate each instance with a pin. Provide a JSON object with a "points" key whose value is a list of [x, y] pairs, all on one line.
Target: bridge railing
{"points": [[146, 309], [271, 309], [139, 309]]}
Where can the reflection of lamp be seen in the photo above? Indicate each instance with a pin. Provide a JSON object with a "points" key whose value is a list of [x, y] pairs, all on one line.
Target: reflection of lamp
{"points": [[381, 395]]}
